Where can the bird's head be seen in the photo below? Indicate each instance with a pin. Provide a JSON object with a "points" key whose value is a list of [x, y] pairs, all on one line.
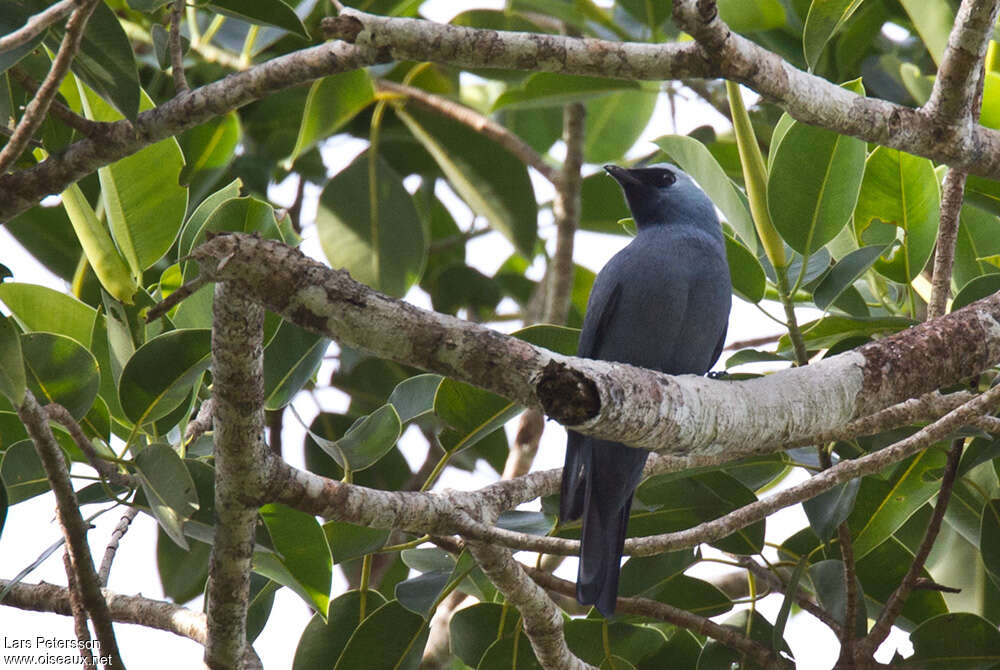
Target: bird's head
{"points": [[663, 194]]}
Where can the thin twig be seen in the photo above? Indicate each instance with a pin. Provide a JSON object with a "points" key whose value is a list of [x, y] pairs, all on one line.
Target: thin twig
{"points": [[952, 192], [175, 298], [107, 470], [177, 49], [83, 125], [73, 526], [752, 342], [36, 24], [894, 605], [109, 552], [776, 584], [34, 113], [566, 210], [202, 423], [481, 124]]}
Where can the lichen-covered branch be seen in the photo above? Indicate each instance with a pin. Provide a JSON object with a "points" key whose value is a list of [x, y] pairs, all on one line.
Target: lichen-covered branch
{"points": [[36, 24], [240, 449]]}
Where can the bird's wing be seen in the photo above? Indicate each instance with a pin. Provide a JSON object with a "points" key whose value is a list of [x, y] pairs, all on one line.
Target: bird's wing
{"points": [[600, 312], [719, 346]]}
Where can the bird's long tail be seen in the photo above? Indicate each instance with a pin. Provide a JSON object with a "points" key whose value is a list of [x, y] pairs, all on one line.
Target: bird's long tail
{"points": [[598, 484]]}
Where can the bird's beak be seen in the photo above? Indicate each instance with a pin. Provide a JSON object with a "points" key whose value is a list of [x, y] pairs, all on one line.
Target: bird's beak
{"points": [[622, 175]]}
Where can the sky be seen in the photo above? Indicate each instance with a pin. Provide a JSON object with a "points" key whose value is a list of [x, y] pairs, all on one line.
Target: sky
{"points": [[31, 528]]}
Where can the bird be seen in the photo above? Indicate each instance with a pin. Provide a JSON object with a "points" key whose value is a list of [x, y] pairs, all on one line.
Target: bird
{"points": [[661, 303]]}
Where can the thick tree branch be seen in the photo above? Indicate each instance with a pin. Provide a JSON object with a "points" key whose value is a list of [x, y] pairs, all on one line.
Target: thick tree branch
{"points": [[36, 24], [74, 528], [35, 111], [685, 416], [240, 449], [543, 622]]}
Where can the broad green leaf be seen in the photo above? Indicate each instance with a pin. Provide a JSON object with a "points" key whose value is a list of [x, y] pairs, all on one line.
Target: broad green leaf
{"points": [[332, 102], [831, 508], [169, 489], [716, 656], [523, 521], [301, 547], [47, 234], [744, 356], [39, 308], [349, 541], [291, 358], [262, 592], [413, 398], [813, 185], [745, 271], [13, 17], [881, 507], [512, 652], [378, 239], [183, 573], [208, 150], [883, 569], [833, 328], [13, 382], [673, 503], [827, 579], [748, 17], [159, 375], [471, 412], [614, 123], [428, 559], [694, 158], [978, 288], [371, 648], [22, 472], [474, 629], [933, 20], [559, 339], [105, 62], [193, 232], [602, 204], [843, 275], [262, 12], [646, 575], [989, 542], [461, 286], [144, 202], [955, 640], [627, 644], [486, 176], [323, 641], [366, 441], [978, 238], [825, 18], [419, 594], [786, 604], [60, 369], [989, 115], [549, 89], [899, 200], [983, 193]]}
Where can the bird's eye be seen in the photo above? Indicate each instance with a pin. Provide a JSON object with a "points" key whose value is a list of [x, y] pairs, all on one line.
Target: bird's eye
{"points": [[667, 178]]}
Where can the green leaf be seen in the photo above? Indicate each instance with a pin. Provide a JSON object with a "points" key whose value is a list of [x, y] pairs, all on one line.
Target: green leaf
{"points": [[290, 359], [13, 382], [59, 369], [825, 18], [250, 219], [383, 247], [831, 508], [813, 185], [933, 20], [183, 573], [474, 629], [673, 503], [22, 472], [745, 270], [105, 62], [843, 275], [47, 234], [744, 356], [716, 656], [694, 158], [829, 330], [322, 642], [428, 559], [627, 644], [169, 489], [486, 176], [413, 398], [559, 339], [208, 150], [372, 649], [262, 12], [420, 593], [958, 640], [602, 205], [827, 579], [160, 374], [899, 199], [39, 308], [332, 102], [349, 541], [881, 507], [989, 539], [614, 123], [472, 412], [367, 440], [749, 17], [883, 569], [550, 89], [512, 652], [13, 17], [978, 288], [786, 604], [301, 547], [144, 202]]}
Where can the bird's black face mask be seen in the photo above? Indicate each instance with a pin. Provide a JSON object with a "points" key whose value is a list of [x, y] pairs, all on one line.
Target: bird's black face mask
{"points": [[643, 188]]}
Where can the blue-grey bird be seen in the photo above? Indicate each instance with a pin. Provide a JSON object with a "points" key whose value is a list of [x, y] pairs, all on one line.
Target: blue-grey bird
{"points": [[663, 303]]}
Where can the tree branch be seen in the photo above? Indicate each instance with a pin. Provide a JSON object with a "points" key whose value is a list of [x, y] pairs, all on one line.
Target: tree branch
{"points": [[177, 49], [238, 394], [566, 209], [109, 552], [74, 528], [35, 111]]}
